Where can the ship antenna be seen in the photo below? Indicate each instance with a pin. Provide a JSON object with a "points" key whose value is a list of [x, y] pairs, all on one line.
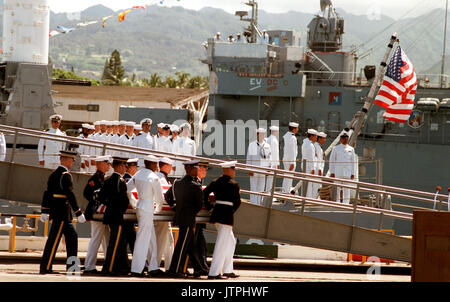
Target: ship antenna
{"points": [[443, 79]]}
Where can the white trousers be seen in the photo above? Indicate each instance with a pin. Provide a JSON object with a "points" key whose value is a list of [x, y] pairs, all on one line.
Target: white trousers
{"points": [[269, 181], [345, 192], [257, 184], [164, 243], [287, 182], [145, 246], [316, 187], [99, 235], [311, 191], [222, 260]]}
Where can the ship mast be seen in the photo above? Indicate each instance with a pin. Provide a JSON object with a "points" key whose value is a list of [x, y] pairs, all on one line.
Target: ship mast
{"points": [[253, 31], [443, 79]]}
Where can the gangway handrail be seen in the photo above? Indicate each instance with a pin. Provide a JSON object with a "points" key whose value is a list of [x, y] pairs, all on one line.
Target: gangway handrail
{"points": [[244, 167]]}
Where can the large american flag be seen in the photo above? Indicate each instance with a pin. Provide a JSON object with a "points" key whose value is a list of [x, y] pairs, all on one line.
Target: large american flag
{"points": [[398, 89]]}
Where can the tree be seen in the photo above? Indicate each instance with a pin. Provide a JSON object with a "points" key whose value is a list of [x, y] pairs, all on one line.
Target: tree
{"points": [[170, 82], [155, 80], [182, 78], [113, 72]]}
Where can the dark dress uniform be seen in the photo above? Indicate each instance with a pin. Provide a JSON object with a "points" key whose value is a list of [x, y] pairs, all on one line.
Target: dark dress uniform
{"points": [[58, 201], [114, 196], [129, 229], [201, 242], [188, 202], [95, 183]]}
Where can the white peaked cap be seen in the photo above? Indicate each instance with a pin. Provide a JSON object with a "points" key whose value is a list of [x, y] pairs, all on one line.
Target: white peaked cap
{"points": [[261, 130], [103, 158], [146, 120], [174, 128], [293, 124], [228, 164], [166, 160], [345, 133], [274, 128], [322, 134], [87, 126], [151, 158], [133, 160], [185, 125], [56, 116], [130, 123], [161, 125], [312, 131]]}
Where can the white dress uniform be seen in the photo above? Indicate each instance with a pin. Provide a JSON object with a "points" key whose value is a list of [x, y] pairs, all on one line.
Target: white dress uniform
{"points": [[184, 146], [264, 39], [126, 140], [289, 157], [164, 144], [149, 191], [309, 154], [320, 165], [164, 237], [144, 140], [274, 148], [342, 165], [2, 147], [48, 150], [84, 154], [115, 139], [258, 154]]}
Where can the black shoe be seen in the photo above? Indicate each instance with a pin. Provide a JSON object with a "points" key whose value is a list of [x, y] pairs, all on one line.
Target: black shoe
{"points": [[175, 275], [197, 274], [218, 277], [156, 273], [133, 274], [44, 272], [231, 275], [91, 272]]}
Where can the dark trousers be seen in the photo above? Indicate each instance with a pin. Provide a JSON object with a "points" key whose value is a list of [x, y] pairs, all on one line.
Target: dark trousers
{"points": [[57, 230], [186, 245], [201, 245], [129, 231], [116, 260]]}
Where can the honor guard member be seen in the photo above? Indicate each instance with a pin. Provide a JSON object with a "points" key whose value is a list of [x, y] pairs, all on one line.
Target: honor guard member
{"points": [[57, 202], [174, 131], [137, 130], [258, 154], [163, 229], [145, 140], [185, 146], [342, 165], [290, 154], [149, 192], [129, 228], [321, 138], [2, 147], [186, 197], [127, 138], [93, 150], [99, 231], [309, 155], [116, 138], [48, 150], [227, 195], [272, 140], [163, 141], [83, 149], [114, 196], [160, 129]]}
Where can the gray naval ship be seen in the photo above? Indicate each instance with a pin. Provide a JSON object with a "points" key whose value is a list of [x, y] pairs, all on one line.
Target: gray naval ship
{"points": [[319, 87]]}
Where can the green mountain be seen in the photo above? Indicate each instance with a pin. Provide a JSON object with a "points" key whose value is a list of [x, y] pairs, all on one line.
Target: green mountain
{"points": [[166, 40]]}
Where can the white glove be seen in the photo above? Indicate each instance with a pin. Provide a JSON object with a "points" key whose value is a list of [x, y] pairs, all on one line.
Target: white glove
{"points": [[44, 217], [81, 219]]}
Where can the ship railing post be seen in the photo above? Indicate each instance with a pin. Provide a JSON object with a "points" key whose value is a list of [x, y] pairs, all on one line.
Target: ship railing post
{"points": [[104, 149], [269, 211], [14, 146], [304, 187], [380, 222], [355, 204]]}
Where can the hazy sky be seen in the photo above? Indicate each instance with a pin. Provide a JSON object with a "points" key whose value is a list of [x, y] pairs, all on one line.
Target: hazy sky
{"points": [[392, 8]]}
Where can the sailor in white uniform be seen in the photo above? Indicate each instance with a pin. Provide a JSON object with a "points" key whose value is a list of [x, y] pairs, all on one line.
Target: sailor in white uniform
{"points": [[48, 150], [127, 138], [309, 155], [163, 229], [264, 39], [183, 145], [93, 150], [272, 140], [321, 138], [290, 154], [163, 141], [258, 154], [145, 140], [137, 129], [2, 147], [115, 139], [84, 150], [342, 165], [217, 37], [149, 191]]}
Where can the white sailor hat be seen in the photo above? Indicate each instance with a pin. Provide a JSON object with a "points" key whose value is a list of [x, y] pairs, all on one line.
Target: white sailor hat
{"points": [[166, 160], [103, 122], [151, 158], [130, 123], [122, 122], [91, 127], [56, 117], [161, 125], [137, 127], [293, 124], [174, 128], [312, 131], [218, 33], [344, 134], [228, 164], [103, 158], [132, 161], [274, 128], [108, 123], [261, 130], [86, 126], [115, 123], [97, 123], [322, 134], [146, 121]]}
